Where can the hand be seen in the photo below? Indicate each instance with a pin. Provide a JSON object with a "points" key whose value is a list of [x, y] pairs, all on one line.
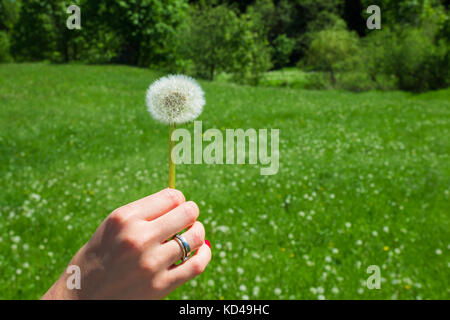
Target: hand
{"points": [[129, 257]]}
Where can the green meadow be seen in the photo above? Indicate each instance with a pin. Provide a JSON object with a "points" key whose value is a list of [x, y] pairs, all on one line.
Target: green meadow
{"points": [[363, 180]]}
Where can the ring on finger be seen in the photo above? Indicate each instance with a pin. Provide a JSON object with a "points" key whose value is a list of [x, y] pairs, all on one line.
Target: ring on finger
{"points": [[184, 245]]}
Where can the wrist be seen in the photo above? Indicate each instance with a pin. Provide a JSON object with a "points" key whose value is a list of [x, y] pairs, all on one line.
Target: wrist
{"points": [[59, 291], [63, 288]]}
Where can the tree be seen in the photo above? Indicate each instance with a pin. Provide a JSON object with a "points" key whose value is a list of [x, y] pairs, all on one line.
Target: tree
{"points": [[41, 33], [9, 13], [146, 27], [333, 50], [211, 38], [252, 54], [219, 40]]}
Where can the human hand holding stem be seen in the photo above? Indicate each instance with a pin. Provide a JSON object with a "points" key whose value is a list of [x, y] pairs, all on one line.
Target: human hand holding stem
{"points": [[152, 221]]}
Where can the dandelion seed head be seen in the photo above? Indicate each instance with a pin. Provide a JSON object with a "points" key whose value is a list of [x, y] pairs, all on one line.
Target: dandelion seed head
{"points": [[175, 99]]}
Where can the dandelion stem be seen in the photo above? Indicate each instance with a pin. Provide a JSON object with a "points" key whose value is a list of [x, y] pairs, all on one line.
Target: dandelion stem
{"points": [[171, 163]]}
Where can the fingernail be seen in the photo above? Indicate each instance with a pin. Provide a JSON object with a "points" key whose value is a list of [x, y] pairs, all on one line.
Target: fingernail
{"points": [[207, 243]]}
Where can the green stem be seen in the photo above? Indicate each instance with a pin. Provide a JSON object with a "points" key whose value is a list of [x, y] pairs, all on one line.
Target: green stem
{"points": [[171, 163]]}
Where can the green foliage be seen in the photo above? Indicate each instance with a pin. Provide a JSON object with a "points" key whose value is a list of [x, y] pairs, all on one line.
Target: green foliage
{"points": [[409, 58], [293, 20], [243, 39], [102, 46], [408, 13], [421, 64], [210, 39], [318, 81], [288, 77], [5, 55], [283, 47], [416, 60], [333, 50], [252, 54], [31, 38], [354, 81], [146, 27], [232, 44], [9, 13], [134, 32], [41, 33]]}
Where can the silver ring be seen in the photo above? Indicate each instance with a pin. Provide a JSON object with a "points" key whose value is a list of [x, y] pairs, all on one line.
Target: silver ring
{"points": [[184, 245]]}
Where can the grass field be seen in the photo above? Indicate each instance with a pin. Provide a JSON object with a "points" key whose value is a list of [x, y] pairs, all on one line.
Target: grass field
{"points": [[364, 180]]}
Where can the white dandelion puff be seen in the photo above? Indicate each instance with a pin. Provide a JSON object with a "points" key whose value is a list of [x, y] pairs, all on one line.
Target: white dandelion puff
{"points": [[175, 99]]}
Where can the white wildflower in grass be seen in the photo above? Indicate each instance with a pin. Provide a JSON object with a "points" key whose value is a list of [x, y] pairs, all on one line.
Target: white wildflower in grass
{"points": [[16, 239], [172, 100], [223, 229]]}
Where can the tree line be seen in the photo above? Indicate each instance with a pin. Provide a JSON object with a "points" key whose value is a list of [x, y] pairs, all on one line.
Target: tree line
{"points": [[328, 39]]}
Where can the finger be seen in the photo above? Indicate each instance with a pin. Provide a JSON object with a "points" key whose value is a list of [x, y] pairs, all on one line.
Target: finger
{"points": [[176, 220], [155, 205], [191, 268], [172, 251]]}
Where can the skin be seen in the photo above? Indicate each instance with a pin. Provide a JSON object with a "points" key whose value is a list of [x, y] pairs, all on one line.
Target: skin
{"points": [[129, 257]]}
